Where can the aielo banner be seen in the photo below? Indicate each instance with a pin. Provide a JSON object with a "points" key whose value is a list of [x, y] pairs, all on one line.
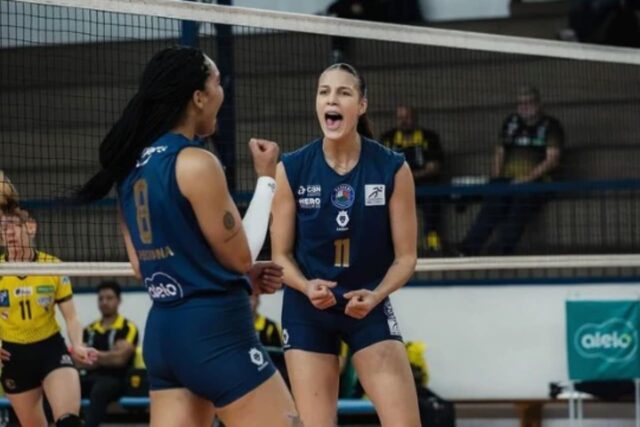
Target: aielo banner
{"points": [[602, 339]]}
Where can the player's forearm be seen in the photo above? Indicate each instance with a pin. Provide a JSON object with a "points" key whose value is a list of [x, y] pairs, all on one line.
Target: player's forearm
{"points": [[293, 277], [397, 276], [74, 332], [113, 358]]}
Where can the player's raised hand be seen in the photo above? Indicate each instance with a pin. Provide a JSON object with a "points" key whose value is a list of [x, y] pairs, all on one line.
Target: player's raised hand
{"points": [[265, 156], [361, 302], [319, 293], [266, 277]]}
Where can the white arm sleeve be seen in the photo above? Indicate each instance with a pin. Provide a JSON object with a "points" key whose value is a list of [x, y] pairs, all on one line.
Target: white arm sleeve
{"points": [[256, 219]]}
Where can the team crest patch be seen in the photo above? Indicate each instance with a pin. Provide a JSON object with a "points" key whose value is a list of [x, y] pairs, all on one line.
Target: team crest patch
{"points": [[343, 196], [4, 298], [374, 195]]}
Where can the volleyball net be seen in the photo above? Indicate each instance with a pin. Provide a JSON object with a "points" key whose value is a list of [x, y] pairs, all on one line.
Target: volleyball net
{"points": [[68, 68]]}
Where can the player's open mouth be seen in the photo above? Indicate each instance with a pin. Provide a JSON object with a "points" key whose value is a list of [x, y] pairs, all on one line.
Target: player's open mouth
{"points": [[333, 120]]}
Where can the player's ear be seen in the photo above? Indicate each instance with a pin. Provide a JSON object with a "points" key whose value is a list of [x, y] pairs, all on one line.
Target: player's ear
{"points": [[32, 227], [364, 103]]}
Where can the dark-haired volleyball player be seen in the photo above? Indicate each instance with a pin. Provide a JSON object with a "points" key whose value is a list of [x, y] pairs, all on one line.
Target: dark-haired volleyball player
{"points": [[344, 228], [34, 355], [185, 239]]}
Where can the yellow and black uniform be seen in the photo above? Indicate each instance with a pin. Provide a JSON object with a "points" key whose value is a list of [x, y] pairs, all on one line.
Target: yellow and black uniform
{"points": [[104, 339], [419, 146], [525, 147], [268, 332], [28, 327]]}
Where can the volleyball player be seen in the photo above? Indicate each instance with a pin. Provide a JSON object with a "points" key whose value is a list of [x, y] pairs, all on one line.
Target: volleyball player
{"points": [[344, 228], [34, 355], [185, 239]]}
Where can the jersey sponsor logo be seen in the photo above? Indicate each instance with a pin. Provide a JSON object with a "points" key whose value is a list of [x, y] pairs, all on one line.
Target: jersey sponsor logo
{"points": [[23, 291], [147, 153], [314, 190], [162, 286], [343, 196], [343, 220], [374, 195], [285, 338], [66, 280], [302, 190], [45, 289], [257, 358], [4, 298], [310, 203]]}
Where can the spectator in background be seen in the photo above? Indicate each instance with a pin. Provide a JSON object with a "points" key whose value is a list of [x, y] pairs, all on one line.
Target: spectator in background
{"points": [[116, 339], [528, 152], [422, 150], [268, 330]]}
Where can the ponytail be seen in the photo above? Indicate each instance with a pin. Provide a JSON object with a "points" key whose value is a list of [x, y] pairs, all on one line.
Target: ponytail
{"points": [[364, 126]]}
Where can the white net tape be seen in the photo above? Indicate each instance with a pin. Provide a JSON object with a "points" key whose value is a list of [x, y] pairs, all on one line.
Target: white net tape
{"points": [[542, 262]]}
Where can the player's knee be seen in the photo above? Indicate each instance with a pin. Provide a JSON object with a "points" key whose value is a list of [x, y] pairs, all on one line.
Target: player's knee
{"points": [[69, 420]]}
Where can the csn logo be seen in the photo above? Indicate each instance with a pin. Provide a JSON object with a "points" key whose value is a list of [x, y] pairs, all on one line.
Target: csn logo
{"points": [[615, 340], [162, 286]]}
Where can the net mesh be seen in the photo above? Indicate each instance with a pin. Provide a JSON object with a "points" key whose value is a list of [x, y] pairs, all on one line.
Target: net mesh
{"points": [[66, 73]]}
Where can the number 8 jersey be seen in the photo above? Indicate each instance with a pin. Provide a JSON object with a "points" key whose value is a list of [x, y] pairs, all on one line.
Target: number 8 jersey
{"points": [[343, 230], [27, 304], [176, 260]]}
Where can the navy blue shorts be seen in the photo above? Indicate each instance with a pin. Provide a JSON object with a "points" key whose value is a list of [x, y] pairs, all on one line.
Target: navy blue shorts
{"points": [[207, 345], [304, 327]]}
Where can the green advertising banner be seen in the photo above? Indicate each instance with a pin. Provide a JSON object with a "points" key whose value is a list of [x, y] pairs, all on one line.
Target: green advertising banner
{"points": [[602, 339]]}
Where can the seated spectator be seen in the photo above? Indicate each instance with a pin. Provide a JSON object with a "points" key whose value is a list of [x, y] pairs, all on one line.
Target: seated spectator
{"points": [[423, 152], [268, 330], [529, 152], [116, 339]]}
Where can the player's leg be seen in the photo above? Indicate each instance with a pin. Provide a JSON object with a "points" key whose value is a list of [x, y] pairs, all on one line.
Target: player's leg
{"points": [[28, 407], [268, 404], [62, 388], [384, 372], [21, 380], [314, 379], [178, 407]]}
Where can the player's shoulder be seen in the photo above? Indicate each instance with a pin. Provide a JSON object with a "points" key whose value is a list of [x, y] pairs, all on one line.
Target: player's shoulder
{"points": [[552, 121], [45, 257], [376, 150], [304, 152]]}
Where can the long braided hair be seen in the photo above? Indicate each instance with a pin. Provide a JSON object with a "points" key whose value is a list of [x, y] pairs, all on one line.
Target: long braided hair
{"points": [[167, 85]]}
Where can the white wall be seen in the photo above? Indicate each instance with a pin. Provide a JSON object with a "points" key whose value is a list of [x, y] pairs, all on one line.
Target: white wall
{"points": [[433, 10], [482, 342], [452, 10]]}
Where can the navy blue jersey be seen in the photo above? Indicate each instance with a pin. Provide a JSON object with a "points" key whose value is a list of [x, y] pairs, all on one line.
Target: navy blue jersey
{"points": [[343, 230], [175, 259]]}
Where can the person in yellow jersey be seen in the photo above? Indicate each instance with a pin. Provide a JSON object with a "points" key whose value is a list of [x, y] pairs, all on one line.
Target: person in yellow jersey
{"points": [[34, 355]]}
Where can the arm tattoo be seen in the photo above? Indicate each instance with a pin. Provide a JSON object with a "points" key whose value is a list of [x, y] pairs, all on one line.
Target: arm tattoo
{"points": [[296, 421], [229, 221]]}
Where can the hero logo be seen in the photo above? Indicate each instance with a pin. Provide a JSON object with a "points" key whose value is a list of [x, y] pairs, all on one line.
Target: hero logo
{"points": [[614, 340], [163, 287]]}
